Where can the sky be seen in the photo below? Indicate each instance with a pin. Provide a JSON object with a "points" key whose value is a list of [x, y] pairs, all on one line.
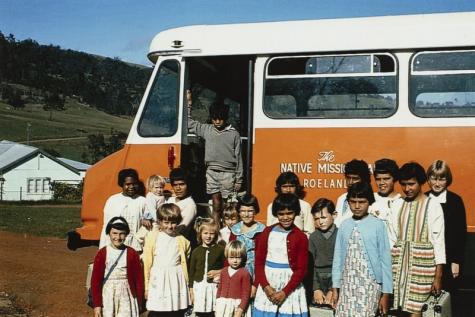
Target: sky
{"points": [[125, 28]]}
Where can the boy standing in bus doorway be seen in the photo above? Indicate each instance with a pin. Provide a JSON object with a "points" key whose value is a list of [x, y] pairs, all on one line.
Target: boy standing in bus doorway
{"points": [[224, 170], [417, 233], [355, 171], [385, 175]]}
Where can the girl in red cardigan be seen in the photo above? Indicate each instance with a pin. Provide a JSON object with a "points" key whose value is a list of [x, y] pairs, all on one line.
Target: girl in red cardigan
{"points": [[234, 288], [117, 279], [281, 263]]}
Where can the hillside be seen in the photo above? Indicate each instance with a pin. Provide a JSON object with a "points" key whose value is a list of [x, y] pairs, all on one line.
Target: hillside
{"points": [[72, 104], [51, 74], [66, 132]]}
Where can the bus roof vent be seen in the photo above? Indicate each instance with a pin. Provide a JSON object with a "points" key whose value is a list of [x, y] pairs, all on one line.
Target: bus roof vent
{"points": [[177, 44]]}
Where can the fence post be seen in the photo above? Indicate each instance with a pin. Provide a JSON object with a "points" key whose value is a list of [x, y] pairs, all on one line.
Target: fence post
{"points": [[20, 193]]}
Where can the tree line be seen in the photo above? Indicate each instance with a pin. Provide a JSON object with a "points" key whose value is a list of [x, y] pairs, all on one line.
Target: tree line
{"points": [[52, 74]]}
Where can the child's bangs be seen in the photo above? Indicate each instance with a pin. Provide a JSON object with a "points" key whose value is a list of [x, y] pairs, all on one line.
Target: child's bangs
{"points": [[169, 212], [235, 249], [170, 217], [235, 253], [210, 226]]}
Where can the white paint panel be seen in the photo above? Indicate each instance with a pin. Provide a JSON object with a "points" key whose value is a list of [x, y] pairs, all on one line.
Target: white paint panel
{"points": [[326, 35]]}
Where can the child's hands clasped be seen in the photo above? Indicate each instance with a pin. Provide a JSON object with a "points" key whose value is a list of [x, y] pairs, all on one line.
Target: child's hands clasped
{"points": [[329, 298], [318, 297], [269, 291], [278, 298], [274, 297]]}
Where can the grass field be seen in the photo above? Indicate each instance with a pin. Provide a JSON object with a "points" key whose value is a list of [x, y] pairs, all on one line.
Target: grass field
{"points": [[40, 220], [76, 121], [71, 149]]}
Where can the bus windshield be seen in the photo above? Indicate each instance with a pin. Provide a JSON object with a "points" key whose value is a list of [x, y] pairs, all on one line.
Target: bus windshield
{"points": [[160, 115]]}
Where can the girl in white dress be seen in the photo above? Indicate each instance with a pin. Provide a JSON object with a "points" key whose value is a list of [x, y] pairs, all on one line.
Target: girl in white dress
{"points": [[281, 263], [117, 280], [206, 263], [165, 265]]}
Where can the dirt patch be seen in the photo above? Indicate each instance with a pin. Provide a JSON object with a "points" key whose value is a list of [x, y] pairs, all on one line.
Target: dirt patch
{"points": [[45, 278]]}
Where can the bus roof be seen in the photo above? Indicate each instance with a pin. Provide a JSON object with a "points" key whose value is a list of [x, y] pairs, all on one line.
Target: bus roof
{"points": [[327, 35]]}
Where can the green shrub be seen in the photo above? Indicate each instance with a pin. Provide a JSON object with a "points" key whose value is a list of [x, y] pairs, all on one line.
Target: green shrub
{"points": [[66, 192]]}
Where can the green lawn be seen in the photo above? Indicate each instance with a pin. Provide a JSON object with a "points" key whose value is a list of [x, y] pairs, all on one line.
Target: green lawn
{"points": [[40, 220]]}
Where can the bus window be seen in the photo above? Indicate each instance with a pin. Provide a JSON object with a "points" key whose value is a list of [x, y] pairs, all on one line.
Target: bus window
{"points": [[331, 87], [160, 116], [442, 84]]}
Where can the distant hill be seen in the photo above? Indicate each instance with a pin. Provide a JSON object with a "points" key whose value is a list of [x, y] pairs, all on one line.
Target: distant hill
{"points": [[50, 74], [70, 104]]}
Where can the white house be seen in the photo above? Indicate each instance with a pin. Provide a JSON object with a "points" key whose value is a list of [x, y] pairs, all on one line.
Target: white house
{"points": [[26, 172]]}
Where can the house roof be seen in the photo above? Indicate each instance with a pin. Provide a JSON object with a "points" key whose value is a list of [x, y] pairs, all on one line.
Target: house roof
{"points": [[13, 154], [80, 166]]}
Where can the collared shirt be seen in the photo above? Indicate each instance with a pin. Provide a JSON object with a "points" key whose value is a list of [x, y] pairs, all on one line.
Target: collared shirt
{"points": [[441, 198], [329, 232], [342, 210]]}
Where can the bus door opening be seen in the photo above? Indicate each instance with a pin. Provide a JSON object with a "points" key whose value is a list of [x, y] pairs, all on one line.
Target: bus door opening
{"points": [[224, 79]]}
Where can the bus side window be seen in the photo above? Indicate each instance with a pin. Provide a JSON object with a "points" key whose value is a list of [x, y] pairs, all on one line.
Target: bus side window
{"points": [[442, 84], [331, 87]]}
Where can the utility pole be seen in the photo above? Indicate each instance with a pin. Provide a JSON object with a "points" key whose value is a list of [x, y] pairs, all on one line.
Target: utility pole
{"points": [[28, 133], [2, 181]]}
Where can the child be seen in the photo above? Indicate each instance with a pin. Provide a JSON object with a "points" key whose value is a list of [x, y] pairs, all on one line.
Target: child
{"points": [[235, 283], [153, 201], [206, 263], [183, 199], [154, 198], [355, 171], [288, 183], [281, 263], [230, 218], [440, 178], [361, 273], [117, 280], [127, 204], [385, 175], [417, 228], [321, 245], [165, 265], [247, 229], [224, 173]]}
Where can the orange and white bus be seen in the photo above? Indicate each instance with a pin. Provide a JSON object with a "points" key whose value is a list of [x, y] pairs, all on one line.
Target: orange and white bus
{"points": [[306, 96]]}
